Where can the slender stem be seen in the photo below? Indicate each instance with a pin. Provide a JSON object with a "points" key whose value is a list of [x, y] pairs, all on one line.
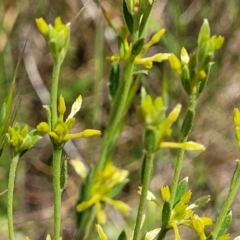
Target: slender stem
{"points": [[98, 72], [11, 180], [147, 174], [177, 172], [57, 152], [54, 92], [116, 118], [57, 157], [235, 183], [178, 167]]}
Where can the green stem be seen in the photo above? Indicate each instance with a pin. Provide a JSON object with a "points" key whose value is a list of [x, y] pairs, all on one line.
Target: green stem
{"points": [[54, 92], [178, 167], [147, 174], [119, 105], [11, 180], [98, 73], [117, 113], [57, 157], [57, 152], [162, 233], [235, 184]]}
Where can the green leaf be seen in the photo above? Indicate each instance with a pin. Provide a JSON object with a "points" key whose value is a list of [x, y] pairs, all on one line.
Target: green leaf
{"points": [[150, 140], [188, 123], [185, 78], [204, 34], [216, 42], [144, 18], [114, 80], [127, 17], [225, 225], [203, 83], [122, 236], [137, 47], [3, 112], [166, 213], [116, 190], [7, 114], [181, 189], [120, 46], [204, 55], [201, 201]]}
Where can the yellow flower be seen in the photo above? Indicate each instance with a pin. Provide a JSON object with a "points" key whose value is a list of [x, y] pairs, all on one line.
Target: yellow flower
{"points": [[183, 212], [104, 183], [57, 36], [20, 139], [61, 130]]}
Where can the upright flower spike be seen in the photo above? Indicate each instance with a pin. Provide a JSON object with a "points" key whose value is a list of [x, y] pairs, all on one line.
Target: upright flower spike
{"points": [[60, 133], [57, 37]]}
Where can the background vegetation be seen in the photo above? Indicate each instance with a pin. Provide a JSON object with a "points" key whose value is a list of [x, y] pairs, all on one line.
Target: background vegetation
{"points": [[85, 71]]}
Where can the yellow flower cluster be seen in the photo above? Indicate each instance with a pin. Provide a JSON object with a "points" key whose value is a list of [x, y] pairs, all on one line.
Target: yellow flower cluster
{"points": [[57, 36], [141, 48], [183, 212], [61, 130], [104, 184], [20, 139]]}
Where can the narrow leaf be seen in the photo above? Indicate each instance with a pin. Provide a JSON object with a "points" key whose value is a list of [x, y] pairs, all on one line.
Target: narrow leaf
{"points": [[122, 236], [181, 189], [166, 213], [226, 223], [188, 123], [127, 17], [137, 47], [113, 80]]}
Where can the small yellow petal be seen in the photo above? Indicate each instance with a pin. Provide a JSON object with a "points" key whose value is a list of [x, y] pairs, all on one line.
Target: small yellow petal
{"points": [[75, 107], [173, 115], [152, 234], [101, 233], [165, 193], [101, 216], [85, 205], [184, 56], [48, 237], [43, 127], [27, 238], [236, 117], [42, 27], [207, 221], [79, 167], [155, 39], [61, 106], [121, 206], [160, 57], [175, 64], [190, 146], [150, 195]]}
